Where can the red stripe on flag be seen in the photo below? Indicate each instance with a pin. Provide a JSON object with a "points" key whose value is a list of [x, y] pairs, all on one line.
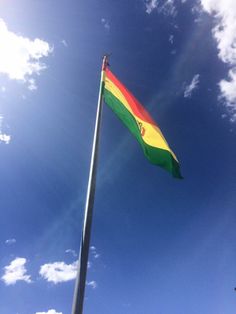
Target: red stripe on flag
{"points": [[136, 107]]}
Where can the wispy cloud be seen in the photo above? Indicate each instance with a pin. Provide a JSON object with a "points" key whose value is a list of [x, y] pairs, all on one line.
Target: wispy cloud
{"points": [[20, 57], [58, 271], [192, 86], [166, 7], [72, 252], [52, 311], [171, 39], [94, 252], [64, 43], [151, 5], [4, 138], [16, 271], [224, 32], [92, 284], [32, 84], [105, 23], [10, 241]]}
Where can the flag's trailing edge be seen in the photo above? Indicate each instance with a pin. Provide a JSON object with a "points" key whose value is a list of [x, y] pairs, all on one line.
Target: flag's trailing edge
{"points": [[140, 123]]}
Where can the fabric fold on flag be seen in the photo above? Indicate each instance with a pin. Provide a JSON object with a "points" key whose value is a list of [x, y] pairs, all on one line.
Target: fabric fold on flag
{"points": [[140, 124]]}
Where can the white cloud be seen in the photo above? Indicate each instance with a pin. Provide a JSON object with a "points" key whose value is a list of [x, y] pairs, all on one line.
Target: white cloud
{"points": [[10, 241], [58, 271], [20, 56], [105, 23], [16, 271], [52, 311], [224, 32], [167, 6], [71, 252], [192, 86], [5, 138], [92, 284], [228, 92]]}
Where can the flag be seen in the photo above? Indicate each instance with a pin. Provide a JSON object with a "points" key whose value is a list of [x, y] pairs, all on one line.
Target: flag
{"points": [[140, 123]]}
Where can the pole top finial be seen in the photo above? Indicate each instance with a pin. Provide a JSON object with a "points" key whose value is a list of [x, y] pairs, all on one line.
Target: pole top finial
{"points": [[105, 62]]}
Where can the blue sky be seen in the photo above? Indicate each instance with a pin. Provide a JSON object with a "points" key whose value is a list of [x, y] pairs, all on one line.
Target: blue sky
{"points": [[159, 245]]}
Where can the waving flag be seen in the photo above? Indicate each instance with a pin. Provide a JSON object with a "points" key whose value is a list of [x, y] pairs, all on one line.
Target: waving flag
{"points": [[140, 124]]}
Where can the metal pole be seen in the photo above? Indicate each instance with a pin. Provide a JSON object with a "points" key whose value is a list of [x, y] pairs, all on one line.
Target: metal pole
{"points": [[88, 211]]}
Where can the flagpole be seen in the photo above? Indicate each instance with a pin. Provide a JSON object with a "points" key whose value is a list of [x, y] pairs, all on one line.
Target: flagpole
{"points": [[78, 300]]}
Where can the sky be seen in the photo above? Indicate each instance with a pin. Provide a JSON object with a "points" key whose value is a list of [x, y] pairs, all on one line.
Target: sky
{"points": [[159, 245]]}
